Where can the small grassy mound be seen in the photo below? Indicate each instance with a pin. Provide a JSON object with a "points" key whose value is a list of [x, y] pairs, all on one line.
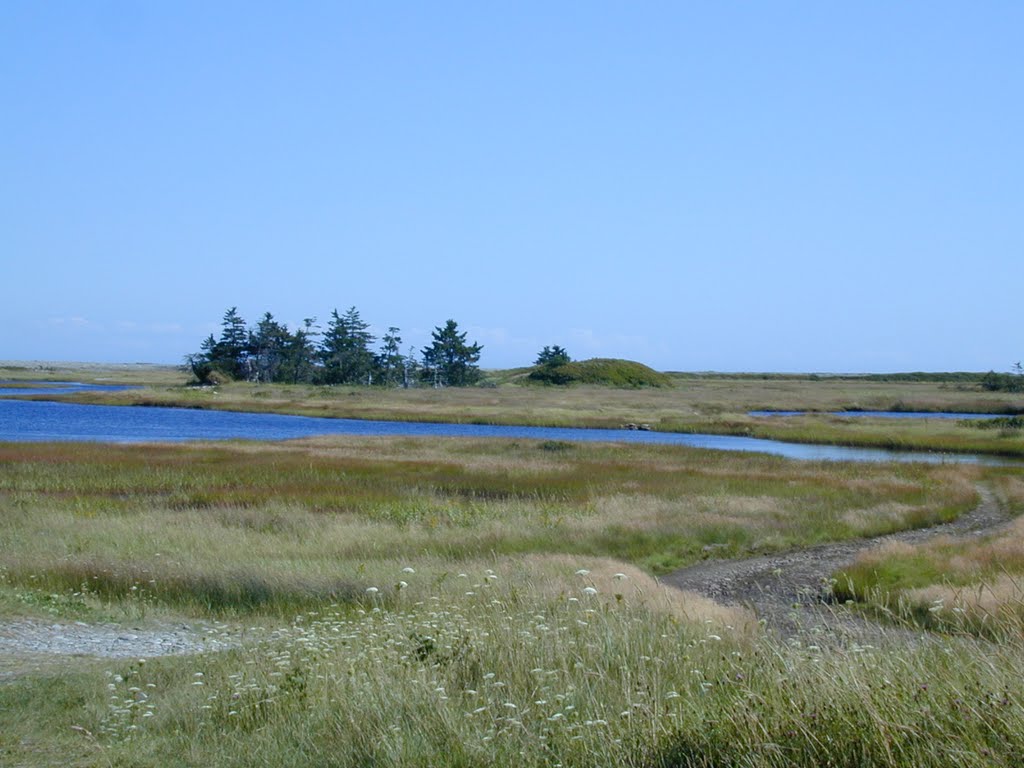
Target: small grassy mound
{"points": [[605, 371]]}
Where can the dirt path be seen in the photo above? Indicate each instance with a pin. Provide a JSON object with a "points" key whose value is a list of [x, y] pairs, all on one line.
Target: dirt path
{"points": [[789, 591]]}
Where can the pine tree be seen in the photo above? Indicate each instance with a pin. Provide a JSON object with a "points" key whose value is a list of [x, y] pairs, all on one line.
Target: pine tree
{"points": [[268, 345], [390, 362], [230, 355], [345, 349], [200, 362], [552, 356], [301, 354], [449, 360]]}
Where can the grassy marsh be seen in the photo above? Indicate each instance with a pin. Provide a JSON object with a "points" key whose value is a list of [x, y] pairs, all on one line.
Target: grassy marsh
{"points": [[301, 519], [469, 602], [460, 602]]}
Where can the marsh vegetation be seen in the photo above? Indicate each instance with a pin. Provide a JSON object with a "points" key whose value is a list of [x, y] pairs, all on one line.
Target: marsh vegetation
{"points": [[399, 601]]}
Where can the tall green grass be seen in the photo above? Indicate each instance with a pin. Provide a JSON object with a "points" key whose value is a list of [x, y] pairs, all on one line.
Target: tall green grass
{"points": [[491, 670], [962, 585]]}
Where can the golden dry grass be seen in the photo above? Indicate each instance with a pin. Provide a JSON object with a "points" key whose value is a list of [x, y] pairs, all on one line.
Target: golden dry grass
{"points": [[556, 576], [970, 583], [1009, 489], [996, 600]]}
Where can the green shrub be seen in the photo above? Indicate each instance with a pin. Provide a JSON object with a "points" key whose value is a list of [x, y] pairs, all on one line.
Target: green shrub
{"points": [[1002, 422], [1002, 382], [604, 371]]}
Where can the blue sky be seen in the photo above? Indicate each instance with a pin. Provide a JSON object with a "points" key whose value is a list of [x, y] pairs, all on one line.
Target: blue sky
{"points": [[786, 186]]}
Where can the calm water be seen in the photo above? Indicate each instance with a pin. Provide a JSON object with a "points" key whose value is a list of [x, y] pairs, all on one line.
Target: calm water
{"points": [[27, 420]]}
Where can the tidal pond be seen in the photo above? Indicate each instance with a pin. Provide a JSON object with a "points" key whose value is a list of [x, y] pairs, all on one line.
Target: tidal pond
{"points": [[46, 420]]}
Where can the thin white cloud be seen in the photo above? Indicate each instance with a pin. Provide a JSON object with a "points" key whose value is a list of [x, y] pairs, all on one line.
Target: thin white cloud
{"points": [[72, 322]]}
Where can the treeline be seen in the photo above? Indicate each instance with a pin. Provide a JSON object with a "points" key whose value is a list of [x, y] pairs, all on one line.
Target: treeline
{"points": [[1004, 382], [991, 380], [343, 353]]}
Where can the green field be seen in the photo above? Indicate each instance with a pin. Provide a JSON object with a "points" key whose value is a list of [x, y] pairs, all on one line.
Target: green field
{"points": [[399, 601]]}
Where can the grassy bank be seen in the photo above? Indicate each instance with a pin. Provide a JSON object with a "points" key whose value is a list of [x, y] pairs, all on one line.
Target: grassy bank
{"points": [[140, 374]]}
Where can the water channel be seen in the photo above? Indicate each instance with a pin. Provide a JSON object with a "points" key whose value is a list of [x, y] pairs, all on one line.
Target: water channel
{"points": [[52, 420]]}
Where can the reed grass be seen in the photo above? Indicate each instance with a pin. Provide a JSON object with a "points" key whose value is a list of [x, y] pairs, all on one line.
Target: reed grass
{"points": [[272, 527], [973, 585]]}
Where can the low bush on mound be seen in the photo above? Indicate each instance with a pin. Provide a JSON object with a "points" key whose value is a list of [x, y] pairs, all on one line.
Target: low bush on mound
{"points": [[606, 371]]}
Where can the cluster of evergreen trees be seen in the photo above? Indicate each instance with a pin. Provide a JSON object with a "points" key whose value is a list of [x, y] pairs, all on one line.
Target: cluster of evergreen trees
{"points": [[341, 354]]}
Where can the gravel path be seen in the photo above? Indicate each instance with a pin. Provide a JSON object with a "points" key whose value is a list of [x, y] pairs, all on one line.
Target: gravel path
{"points": [[790, 591], [24, 642]]}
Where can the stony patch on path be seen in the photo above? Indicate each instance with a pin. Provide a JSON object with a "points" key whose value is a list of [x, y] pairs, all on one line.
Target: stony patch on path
{"points": [[789, 591]]}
